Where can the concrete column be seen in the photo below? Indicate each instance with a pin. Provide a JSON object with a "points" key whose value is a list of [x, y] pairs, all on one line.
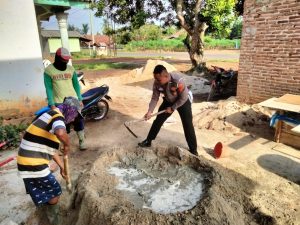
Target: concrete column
{"points": [[39, 25], [62, 19]]}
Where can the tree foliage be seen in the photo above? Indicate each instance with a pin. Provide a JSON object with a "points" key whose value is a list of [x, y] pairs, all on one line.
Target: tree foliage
{"points": [[123, 36], [194, 16], [236, 30], [107, 28], [239, 7], [147, 32], [72, 27], [218, 15], [85, 28], [133, 13]]}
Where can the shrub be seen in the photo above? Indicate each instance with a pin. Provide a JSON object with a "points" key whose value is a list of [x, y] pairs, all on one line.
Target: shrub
{"points": [[177, 44], [11, 133]]}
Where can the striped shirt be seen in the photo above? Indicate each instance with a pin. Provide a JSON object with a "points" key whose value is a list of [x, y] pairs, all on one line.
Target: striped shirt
{"points": [[39, 144]]}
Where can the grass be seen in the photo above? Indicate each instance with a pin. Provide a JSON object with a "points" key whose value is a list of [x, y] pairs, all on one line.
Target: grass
{"points": [[103, 66], [83, 54], [165, 45], [177, 44], [211, 43]]}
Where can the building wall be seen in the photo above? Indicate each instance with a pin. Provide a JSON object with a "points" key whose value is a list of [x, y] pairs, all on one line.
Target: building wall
{"points": [[270, 50], [55, 43], [21, 70]]}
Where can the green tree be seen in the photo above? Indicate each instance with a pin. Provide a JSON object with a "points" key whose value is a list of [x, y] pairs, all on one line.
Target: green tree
{"points": [[133, 13], [107, 30], [239, 7], [123, 36], [169, 30], [198, 15], [147, 32], [85, 28], [194, 16], [236, 30], [72, 27], [219, 16]]}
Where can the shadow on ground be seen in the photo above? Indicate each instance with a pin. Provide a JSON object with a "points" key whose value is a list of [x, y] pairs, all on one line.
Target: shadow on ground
{"points": [[253, 122], [282, 166]]}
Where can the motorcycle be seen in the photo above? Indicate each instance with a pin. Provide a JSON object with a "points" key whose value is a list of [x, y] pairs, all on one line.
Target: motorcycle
{"points": [[220, 83], [95, 106]]}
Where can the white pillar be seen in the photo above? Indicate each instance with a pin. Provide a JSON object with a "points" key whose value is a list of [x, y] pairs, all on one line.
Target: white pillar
{"points": [[39, 25], [62, 19]]}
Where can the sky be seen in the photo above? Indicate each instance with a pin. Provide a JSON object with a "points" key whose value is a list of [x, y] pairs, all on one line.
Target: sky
{"points": [[76, 17]]}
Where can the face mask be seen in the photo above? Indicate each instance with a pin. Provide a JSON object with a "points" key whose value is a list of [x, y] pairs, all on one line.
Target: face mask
{"points": [[60, 64]]}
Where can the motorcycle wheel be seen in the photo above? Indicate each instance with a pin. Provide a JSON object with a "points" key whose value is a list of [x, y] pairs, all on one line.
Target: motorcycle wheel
{"points": [[103, 108]]}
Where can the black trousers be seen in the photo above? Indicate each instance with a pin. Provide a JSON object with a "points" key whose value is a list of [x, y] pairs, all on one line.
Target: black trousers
{"points": [[78, 124], [185, 112]]}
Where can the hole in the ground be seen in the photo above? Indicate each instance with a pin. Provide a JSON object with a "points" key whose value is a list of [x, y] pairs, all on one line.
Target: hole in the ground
{"points": [[175, 189], [161, 186]]}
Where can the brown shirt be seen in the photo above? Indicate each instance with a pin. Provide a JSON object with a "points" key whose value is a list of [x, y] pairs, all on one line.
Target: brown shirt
{"points": [[178, 98]]}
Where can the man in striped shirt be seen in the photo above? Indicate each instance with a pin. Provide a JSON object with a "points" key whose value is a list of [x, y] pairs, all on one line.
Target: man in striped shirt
{"points": [[39, 145]]}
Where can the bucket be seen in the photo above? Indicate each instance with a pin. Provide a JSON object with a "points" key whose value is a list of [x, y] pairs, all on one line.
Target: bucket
{"points": [[220, 150]]}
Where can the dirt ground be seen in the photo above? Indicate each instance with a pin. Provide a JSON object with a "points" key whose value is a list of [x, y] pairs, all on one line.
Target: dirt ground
{"points": [[257, 183]]}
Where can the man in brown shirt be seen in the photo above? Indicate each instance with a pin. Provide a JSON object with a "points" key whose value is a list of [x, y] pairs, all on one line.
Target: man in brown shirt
{"points": [[175, 92]]}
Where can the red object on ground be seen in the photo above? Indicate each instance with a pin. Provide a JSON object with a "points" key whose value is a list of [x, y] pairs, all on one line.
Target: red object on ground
{"points": [[3, 144], [218, 150], [7, 161], [6, 142]]}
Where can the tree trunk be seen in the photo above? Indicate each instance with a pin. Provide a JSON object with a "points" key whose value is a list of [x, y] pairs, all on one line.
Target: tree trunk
{"points": [[194, 41], [195, 45]]}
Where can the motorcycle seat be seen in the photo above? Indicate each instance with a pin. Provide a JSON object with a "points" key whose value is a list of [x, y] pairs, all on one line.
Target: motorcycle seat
{"points": [[94, 93], [227, 75]]}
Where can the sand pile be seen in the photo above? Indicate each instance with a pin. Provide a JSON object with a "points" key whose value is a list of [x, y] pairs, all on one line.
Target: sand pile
{"points": [[233, 116], [146, 74], [224, 197], [197, 83]]}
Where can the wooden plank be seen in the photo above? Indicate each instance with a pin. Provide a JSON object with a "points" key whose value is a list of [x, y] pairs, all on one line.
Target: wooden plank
{"points": [[278, 131], [290, 99], [290, 139], [274, 104], [296, 129]]}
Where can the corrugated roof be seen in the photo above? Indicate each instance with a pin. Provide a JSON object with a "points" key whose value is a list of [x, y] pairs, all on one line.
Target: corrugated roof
{"points": [[99, 39], [56, 33]]}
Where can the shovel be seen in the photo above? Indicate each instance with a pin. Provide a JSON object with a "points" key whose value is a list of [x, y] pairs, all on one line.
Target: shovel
{"points": [[67, 171], [128, 123]]}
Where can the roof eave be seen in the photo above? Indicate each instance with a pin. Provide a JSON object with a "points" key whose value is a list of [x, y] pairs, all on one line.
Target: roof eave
{"points": [[65, 3]]}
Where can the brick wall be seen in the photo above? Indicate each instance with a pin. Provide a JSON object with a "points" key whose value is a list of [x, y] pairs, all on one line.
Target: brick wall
{"points": [[270, 50]]}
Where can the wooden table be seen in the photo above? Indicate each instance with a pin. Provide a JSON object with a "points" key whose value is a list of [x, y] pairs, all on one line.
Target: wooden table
{"points": [[286, 103]]}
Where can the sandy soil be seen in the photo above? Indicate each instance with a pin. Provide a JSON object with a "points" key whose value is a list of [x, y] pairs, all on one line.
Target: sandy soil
{"points": [[258, 183]]}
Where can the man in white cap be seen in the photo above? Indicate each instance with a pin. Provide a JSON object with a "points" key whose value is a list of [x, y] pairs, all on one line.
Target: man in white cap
{"points": [[61, 81]]}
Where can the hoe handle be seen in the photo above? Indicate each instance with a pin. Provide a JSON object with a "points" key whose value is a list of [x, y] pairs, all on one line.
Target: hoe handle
{"points": [[67, 171]]}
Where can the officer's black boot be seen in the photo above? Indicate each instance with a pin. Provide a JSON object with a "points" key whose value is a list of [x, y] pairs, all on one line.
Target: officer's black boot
{"points": [[145, 143]]}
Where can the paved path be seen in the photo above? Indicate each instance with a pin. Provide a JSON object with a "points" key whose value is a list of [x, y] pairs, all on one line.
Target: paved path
{"points": [[178, 57], [208, 54]]}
